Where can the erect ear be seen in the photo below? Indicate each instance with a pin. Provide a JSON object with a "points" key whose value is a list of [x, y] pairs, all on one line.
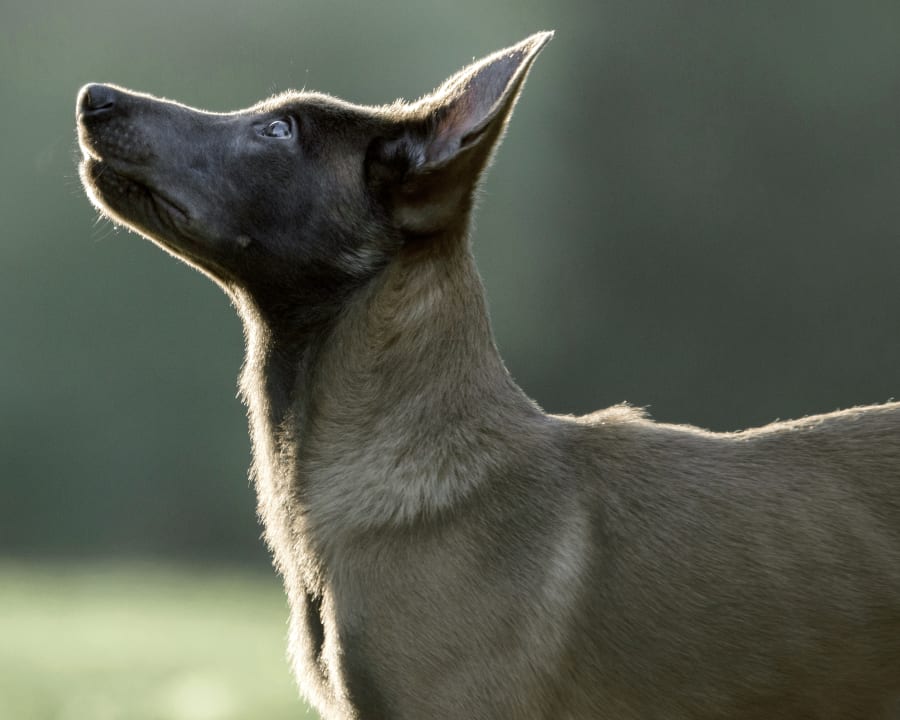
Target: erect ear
{"points": [[426, 169]]}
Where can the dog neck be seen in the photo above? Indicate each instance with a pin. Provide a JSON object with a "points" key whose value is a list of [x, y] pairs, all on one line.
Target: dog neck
{"points": [[389, 414]]}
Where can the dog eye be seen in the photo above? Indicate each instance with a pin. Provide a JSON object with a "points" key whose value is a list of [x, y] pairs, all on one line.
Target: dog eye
{"points": [[278, 129]]}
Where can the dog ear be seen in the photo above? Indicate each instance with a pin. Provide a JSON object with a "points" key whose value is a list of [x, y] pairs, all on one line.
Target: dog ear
{"points": [[427, 172]]}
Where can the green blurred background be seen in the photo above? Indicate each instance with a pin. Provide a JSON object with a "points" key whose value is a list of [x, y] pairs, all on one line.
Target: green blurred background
{"points": [[695, 209]]}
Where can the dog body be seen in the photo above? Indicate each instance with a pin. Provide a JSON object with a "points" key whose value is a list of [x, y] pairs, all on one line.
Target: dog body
{"points": [[450, 551]]}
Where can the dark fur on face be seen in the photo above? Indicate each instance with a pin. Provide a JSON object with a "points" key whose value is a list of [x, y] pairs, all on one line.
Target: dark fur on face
{"points": [[282, 221], [449, 550]]}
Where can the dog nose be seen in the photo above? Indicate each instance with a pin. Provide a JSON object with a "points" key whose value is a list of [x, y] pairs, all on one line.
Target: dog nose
{"points": [[96, 99]]}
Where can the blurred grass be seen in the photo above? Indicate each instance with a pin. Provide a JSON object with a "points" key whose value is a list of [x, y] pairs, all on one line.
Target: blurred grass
{"points": [[143, 642]]}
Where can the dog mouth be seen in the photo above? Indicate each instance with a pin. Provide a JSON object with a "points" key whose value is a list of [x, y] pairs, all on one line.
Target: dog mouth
{"points": [[126, 196], [123, 194]]}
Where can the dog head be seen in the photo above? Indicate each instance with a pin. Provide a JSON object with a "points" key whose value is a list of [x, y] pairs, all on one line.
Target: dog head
{"points": [[303, 196]]}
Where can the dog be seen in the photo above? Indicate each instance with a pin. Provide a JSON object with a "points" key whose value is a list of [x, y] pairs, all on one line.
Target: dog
{"points": [[448, 549]]}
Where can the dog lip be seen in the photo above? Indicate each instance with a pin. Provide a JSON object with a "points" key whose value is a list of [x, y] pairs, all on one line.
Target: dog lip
{"points": [[85, 141], [174, 208], [89, 152]]}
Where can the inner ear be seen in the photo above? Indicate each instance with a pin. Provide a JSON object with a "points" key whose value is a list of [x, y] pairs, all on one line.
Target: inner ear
{"points": [[427, 168], [476, 100]]}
